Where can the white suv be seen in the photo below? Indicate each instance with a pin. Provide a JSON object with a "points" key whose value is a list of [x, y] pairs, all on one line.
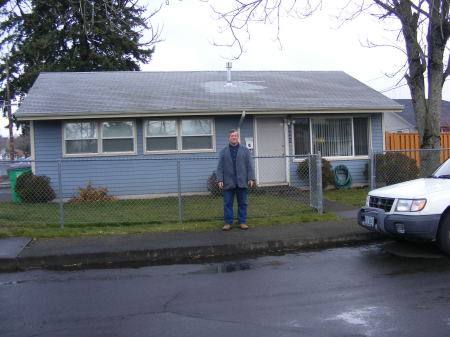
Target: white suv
{"points": [[415, 209]]}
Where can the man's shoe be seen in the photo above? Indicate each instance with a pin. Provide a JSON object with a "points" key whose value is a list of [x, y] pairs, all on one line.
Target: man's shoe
{"points": [[243, 226], [226, 227]]}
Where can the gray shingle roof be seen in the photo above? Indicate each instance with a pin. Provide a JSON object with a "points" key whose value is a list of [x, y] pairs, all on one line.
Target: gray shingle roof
{"points": [[59, 94]]}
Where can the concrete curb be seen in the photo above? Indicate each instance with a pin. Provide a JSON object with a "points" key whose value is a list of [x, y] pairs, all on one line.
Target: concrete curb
{"points": [[179, 255]]}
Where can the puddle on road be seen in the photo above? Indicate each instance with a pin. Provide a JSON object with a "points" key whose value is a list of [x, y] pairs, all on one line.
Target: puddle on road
{"points": [[225, 267], [404, 258], [10, 283], [413, 250], [232, 267]]}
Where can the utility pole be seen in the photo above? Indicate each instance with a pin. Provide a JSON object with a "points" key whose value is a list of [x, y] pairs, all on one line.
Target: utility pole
{"points": [[8, 109]]}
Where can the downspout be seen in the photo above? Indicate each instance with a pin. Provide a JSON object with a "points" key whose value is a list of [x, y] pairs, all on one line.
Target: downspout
{"points": [[239, 124]]}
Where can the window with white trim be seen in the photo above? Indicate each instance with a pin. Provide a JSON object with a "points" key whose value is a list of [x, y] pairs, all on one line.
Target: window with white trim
{"points": [[177, 135], [196, 134], [99, 137], [117, 136], [80, 138], [161, 135], [333, 137]]}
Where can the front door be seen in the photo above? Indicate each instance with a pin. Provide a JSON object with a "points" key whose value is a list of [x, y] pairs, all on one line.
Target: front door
{"points": [[270, 142]]}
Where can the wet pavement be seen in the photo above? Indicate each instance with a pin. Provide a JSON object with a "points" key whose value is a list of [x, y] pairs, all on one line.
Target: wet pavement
{"points": [[383, 289], [408, 249], [110, 251], [184, 246]]}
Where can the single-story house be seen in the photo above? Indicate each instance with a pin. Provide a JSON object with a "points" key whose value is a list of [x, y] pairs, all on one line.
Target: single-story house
{"points": [[122, 130], [405, 121]]}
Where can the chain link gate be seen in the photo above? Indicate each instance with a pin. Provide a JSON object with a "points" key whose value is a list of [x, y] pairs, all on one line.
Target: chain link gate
{"points": [[315, 183]]}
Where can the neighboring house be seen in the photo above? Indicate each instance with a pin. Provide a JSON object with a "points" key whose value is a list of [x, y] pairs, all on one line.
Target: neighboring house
{"points": [[118, 116], [405, 121]]}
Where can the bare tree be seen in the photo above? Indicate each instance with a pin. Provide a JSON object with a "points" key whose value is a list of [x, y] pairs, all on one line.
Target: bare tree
{"points": [[3, 143], [425, 28], [424, 33], [238, 16], [23, 145]]}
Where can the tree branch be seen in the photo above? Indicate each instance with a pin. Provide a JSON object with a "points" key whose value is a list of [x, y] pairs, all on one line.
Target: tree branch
{"points": [[238, 18], [389, 9], [418, 7]]}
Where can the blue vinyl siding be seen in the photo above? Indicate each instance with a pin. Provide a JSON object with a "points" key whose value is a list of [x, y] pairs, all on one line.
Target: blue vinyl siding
{"points": [[130, 175], [48, 149], [153, 174], [48, 140], [377, 132]]}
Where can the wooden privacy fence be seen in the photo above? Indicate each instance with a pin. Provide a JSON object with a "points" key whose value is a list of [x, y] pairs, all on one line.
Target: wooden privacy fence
{"points": [[410, 141]]}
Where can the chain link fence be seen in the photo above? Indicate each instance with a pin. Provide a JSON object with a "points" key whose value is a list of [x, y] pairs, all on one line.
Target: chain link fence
{"points": [[395, 166], [147, 191]]}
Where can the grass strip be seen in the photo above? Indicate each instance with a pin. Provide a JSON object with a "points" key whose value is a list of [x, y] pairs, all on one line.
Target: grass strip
{"points": [[352, 197], [145, 215]]}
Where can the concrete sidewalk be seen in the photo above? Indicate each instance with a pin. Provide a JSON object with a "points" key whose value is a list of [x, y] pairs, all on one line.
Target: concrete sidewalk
{"points": [[181, 247]]}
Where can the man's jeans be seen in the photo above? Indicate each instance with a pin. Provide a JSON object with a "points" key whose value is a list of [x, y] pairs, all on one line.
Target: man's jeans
{"points": [[228, 200]]}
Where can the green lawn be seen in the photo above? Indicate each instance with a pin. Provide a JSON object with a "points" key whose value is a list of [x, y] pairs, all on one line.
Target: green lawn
{"points": [[352, 197], [149, 215]]}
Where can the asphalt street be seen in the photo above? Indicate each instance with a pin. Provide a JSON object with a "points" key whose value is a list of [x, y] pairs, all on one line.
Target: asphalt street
{"points": [[383, 289]]}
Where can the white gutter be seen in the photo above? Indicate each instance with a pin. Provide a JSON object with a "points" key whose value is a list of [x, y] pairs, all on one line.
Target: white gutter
{"points": [[90, 115]]}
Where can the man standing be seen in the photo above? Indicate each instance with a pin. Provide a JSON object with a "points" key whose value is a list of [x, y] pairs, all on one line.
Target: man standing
{"points": [[234, 175]]}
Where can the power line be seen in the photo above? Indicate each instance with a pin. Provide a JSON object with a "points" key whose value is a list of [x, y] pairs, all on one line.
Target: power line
{"points": [[393, 88]]}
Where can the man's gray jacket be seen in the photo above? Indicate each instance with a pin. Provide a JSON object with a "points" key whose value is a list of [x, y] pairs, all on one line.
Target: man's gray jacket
{"points": [[244, 168]]}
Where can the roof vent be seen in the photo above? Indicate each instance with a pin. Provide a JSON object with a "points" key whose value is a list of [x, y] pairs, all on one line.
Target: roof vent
{"points": [[229, 66]]}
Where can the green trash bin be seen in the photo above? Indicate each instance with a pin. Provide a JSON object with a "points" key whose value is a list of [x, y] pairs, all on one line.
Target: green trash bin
{"points": [[13, 174]]}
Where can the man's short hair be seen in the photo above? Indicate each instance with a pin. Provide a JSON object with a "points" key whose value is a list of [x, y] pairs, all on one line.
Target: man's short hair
{"points": [[231, 131]]}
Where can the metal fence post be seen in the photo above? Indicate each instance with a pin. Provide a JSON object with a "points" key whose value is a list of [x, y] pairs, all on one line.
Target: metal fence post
{"points": [[180, 204], [311, 191], [372, 170], [60, 192], [319, 184]]}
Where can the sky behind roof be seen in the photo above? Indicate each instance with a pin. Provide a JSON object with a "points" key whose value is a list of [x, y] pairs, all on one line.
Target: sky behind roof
{"points": [[320, 42]]}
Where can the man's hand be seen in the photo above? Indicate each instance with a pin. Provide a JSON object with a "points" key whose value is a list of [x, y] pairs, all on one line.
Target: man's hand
{"points": [[250, 183], [220, 183]]}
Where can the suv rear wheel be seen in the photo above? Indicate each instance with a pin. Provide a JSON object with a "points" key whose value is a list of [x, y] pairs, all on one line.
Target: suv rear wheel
{"points": [[443, 238]]}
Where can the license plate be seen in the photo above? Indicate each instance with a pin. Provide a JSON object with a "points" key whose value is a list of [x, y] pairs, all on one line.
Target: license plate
{"points": [[369, 221]]}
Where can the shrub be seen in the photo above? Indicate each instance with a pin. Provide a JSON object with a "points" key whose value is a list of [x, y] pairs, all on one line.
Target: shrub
{"points": [[393, 167], [327, 172], [92, 194], [213, 187], [34, 189]]}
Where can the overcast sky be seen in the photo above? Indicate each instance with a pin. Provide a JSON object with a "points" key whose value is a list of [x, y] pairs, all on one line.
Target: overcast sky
{"points": [[190, 28], [316, 43]]}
